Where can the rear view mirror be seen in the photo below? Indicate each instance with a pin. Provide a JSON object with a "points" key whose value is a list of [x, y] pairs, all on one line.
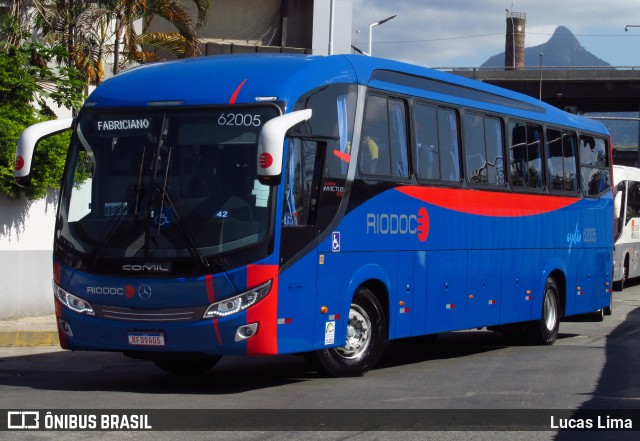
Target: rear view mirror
{"points": [[271, 145], [27, 142]]}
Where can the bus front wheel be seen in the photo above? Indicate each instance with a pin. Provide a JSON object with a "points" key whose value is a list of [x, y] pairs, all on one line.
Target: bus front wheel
{"points": [[544, 331], [365, 340]]}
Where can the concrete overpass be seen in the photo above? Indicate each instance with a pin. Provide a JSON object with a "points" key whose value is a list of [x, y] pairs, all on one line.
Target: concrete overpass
{"points": [[577, 90], [581, 89]]}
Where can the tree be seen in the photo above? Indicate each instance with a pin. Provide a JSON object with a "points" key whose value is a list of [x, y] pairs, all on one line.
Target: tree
{"points": [[184, 43], [22, 103], [91, 30]]}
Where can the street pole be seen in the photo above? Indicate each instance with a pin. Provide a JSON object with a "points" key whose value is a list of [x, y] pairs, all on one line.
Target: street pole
{"points": [[540, 93], [331, 19], [371, 30]]}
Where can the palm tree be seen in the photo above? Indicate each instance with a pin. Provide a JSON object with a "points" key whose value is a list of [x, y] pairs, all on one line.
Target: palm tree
{"points": [[92, 29], [183, 43], [14, 22]]}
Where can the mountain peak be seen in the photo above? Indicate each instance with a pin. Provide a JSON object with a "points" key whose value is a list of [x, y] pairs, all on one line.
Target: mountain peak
{"points": [[562, 49]]}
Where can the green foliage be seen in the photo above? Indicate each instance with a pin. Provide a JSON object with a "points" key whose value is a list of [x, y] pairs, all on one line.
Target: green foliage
{"points": [[25, 79]]}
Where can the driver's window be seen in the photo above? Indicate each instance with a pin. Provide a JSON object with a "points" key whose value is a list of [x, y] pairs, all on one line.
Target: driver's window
{"points": [[299, 193]]}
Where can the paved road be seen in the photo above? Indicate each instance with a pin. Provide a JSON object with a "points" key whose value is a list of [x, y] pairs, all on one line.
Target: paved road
{"points": [[591, 366]]}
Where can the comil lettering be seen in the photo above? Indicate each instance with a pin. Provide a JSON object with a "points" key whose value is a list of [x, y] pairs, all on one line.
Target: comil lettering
{"points": [[125, 124]]}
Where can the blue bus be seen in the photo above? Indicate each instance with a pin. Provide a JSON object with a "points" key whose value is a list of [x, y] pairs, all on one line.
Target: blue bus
{"points": [[278, 204]]}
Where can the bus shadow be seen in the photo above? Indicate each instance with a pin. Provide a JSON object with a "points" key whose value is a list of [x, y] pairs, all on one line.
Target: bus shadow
{"points": [[447, 345], [618, 387], [113, 372], [100, 371]]}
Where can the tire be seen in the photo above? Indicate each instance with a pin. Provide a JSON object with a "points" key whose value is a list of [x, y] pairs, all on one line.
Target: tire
{"points": [[366, 338], [544, 331], [608, 310], [185, 366], [598, 316], [619, 285]]}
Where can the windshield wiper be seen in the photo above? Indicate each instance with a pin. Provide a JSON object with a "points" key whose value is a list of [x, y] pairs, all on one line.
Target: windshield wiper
{"points": [[113, 224], [165, 196]]}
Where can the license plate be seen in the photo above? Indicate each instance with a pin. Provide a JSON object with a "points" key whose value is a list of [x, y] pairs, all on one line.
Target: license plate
{"points": [[146, 338]]}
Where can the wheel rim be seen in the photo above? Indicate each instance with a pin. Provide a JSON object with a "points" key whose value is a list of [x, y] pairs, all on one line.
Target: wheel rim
{"points": [[358, 333], [550, 311]]}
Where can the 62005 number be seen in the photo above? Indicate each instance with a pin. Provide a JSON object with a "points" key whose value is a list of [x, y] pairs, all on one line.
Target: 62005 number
{"points": [[239, 119]]}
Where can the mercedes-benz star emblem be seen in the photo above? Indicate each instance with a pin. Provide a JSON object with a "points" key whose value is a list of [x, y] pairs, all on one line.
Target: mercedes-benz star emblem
{"points": [[144, 292]]}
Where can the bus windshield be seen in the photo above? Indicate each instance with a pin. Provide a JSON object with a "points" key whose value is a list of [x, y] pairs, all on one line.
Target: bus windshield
{"points": [[161, 185]]}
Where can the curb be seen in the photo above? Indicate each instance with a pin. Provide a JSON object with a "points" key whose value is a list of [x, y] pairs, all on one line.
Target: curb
{"points": [[28, 338]]}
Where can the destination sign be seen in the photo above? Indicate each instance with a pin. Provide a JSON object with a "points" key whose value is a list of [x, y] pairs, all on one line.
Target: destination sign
{"points": [[123, 124]]}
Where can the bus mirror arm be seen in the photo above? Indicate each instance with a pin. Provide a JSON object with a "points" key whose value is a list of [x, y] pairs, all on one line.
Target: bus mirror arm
{"points": [[27, 142], [617, 205], [271, 144]]}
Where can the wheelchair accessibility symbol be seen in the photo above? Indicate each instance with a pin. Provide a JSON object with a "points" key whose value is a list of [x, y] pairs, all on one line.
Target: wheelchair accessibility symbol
{"points": [[162, 219], [335, 241]]}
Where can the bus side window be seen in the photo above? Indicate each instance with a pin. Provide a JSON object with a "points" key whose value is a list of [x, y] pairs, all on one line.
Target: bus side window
{"points": [[569, 147], [534, 156], [518, 155], [494, 144], [436, 151], [555, 160], [475, 149], [483, 146], [525, 155], [594, 159], [299, 183], [449, 146], [375, 138], [425, 122], [398, 139], [633, 201], [384, 147]]}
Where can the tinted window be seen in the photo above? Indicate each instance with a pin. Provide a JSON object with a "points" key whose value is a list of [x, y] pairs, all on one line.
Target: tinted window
{"points": [[561, 160], [384, 141], [525, 156], [449, 147], [483, 148], [436, 134], [594, 158]]}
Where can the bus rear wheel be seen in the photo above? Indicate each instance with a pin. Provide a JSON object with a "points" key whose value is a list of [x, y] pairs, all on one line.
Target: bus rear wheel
{"points": [[186, 366], [544, 331], [365, 340]]}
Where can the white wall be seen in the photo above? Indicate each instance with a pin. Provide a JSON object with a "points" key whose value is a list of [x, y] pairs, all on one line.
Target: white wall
{"points": [[26, 239]]}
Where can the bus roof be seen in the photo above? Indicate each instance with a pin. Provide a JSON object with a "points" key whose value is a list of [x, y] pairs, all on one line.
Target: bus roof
{"points": [[624, 173], [248, 78]]}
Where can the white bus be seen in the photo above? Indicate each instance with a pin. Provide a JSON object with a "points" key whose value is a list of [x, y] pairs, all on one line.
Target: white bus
{"points": [[626, 261]]}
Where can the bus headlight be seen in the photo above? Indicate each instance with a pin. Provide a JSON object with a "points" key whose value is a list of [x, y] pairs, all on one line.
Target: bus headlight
{"points": [[238, 303], [72, 302]]}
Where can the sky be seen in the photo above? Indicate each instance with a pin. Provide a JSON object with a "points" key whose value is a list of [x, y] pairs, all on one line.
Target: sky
{"points": [[465, 33]]}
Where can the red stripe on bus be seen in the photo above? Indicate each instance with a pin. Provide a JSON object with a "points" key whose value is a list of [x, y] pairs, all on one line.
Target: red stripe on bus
{"points": [[215, 327], [265, 312], [346, 157], [236, 92], [210, 293], [488, 203]]}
